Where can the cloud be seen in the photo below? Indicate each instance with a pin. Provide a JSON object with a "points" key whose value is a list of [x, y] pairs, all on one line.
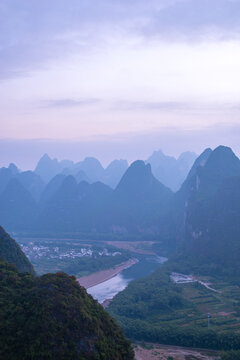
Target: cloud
{"points": [[151, 105], [35, 32], [176, 106], [194, 14], [68, 103]]}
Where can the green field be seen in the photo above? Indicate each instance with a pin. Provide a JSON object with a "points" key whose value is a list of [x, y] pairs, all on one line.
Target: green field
{"points": [[158, 310]]}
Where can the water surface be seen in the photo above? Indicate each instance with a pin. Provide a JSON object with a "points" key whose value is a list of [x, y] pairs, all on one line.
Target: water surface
{"points": [[108, 289]]}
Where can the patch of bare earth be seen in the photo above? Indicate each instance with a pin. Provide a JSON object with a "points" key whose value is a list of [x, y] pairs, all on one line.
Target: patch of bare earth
{"points": [[162, 352]]}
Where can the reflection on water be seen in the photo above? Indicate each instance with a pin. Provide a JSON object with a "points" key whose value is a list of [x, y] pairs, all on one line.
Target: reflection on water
{"points": [[108, 289]]}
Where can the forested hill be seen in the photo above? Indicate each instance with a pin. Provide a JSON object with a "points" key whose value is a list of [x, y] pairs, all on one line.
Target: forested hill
{"points": [[52, 316], [11, 252], [206, 203], [212, 218]]}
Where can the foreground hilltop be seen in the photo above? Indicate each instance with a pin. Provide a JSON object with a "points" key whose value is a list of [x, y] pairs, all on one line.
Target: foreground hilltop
{"points": [[52, 317]]}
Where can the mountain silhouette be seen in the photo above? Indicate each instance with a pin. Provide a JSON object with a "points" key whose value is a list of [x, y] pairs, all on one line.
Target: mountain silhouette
{"points": [[170, 171]]}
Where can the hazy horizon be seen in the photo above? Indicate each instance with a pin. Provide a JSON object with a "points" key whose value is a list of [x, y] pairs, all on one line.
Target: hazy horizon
{"points": [[25, 154]]}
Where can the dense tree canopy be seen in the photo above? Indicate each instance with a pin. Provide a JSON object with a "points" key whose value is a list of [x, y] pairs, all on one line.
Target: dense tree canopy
{"points": [[52, 317]]}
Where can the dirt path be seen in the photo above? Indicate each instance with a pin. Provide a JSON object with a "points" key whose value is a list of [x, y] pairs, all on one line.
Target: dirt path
{"points": [[104, 275], [184, 279], [163, 352]]}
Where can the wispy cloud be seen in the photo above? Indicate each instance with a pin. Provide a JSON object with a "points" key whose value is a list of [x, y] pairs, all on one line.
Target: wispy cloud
{"points": [[176, 106], [68, 103], [151, 105]]}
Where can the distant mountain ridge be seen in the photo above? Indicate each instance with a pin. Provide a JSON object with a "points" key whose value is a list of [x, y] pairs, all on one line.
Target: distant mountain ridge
{"points": [[90, 170], [138, 198], [139, 205], [171, 171], [168, 170]]}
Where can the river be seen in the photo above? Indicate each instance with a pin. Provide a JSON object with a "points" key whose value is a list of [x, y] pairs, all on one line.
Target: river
{"points": [[109, 288]]}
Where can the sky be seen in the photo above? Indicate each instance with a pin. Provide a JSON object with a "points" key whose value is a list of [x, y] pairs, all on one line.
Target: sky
{"points": [[117, 78]]}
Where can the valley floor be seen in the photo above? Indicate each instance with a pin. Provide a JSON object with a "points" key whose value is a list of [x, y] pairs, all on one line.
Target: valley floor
{"points": [[163, 352]]}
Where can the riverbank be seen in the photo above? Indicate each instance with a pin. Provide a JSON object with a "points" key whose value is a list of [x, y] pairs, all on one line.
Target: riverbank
{"points": [[104, 275], [164, 352]]}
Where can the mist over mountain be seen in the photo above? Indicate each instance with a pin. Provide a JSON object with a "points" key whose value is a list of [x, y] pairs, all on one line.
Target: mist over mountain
{"points": [[133, 206], [48, 168], [51, 188], [170, 171], [140, 204], [18, 209], [90, 170], [13, 168], [5, 176], [138, 201], [114, 172], [32, 182]]}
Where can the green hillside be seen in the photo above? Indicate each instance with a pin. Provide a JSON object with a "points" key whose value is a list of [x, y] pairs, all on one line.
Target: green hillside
{"points": [[11, 252], [52, 317]]}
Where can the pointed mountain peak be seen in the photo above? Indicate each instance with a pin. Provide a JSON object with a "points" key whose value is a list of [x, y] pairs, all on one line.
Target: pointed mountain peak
{"points": [[46, 160], [200, 161], [211, 168], [45, 157], [139, 168], [224, 161], [158, 153], [47, 168], [13, 168], [223, 153], [138, 176], [157, 156]]}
